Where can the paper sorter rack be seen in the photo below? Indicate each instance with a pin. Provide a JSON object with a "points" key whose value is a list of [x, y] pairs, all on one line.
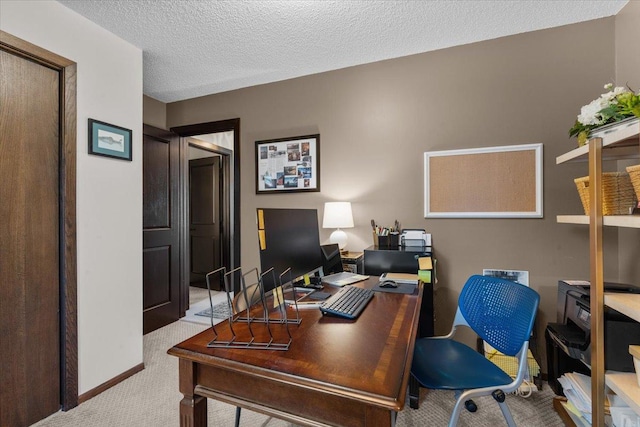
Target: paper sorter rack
{"points": [[250, 322]]}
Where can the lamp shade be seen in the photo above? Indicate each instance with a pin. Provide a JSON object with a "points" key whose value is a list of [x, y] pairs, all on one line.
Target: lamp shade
{"points": [[337, 215]]}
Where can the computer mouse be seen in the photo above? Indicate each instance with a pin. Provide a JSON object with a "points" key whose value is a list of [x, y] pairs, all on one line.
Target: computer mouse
{"points": [[388, 284]]}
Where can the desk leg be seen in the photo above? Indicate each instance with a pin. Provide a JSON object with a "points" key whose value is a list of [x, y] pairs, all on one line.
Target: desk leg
{"points": [[414, 393], [193, 409]]}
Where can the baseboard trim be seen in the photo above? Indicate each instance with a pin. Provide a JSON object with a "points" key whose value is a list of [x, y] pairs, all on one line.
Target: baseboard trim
{"points": [[108, 384]]}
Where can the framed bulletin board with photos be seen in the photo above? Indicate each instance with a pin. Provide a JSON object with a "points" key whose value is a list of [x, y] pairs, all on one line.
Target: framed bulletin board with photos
{"points": [[288, 165]]}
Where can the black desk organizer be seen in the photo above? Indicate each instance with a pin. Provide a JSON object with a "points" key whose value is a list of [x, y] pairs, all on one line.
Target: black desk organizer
{"points": [[391, 240]]}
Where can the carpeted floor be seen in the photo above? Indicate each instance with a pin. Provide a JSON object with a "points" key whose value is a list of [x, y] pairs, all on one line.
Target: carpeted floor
{"points": [[150, 398], [197, 306], [198, 294]]}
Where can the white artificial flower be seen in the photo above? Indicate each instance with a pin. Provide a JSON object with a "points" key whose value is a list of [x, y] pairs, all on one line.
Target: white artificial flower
{"points": [[609, 96], [620, 90], [589, 114]]}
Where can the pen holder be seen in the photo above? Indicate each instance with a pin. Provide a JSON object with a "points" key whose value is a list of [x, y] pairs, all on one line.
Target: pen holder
{"points": [[392, 240]]}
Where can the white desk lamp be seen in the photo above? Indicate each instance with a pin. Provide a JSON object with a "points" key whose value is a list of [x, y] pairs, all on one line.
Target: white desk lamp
{"points": [[338, 215]]}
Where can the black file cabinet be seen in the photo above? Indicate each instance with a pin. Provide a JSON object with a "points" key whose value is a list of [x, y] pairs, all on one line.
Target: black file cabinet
{"points": [[400, 259], [403, 259]]}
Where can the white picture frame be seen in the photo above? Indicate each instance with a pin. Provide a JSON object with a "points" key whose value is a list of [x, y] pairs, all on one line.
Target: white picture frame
{"points": [[488, 182]]}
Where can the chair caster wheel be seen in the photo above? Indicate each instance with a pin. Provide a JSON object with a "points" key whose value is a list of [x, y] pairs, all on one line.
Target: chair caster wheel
{"points": [[471, 405], [499, 395]]}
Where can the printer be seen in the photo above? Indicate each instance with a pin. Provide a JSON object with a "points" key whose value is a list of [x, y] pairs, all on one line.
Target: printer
{"points": [[569, 339], [415, 237]]}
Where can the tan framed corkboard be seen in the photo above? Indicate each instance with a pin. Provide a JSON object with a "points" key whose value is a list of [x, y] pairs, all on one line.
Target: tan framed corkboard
{"points": [[490, 182]]}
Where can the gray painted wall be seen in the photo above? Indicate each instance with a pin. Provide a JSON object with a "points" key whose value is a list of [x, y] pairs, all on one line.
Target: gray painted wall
{"points": [[628, 72], [155, 112], [375, 122]]}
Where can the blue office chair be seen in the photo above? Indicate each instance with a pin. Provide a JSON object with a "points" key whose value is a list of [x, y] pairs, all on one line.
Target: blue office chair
{"points": [[502, 313]]}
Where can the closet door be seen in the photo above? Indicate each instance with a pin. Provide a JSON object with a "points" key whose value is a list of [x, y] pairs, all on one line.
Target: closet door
{"points": [[29, 241]]}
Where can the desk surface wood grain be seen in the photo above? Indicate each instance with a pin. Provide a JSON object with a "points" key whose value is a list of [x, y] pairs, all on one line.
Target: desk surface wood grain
{"points": [[365, 360]]}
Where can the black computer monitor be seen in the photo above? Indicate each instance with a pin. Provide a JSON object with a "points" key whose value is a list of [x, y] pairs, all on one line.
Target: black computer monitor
{"points": [[290, 239], [331, 261]]}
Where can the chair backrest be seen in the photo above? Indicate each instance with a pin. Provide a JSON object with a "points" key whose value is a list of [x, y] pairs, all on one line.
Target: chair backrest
{"points": [[501, 312]]}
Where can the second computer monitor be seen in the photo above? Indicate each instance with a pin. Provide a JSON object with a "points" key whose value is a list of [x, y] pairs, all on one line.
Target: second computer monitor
{"points": [[331, 261], [289, 239]]}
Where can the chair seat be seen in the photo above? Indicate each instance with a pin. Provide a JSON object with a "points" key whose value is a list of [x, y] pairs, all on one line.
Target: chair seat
{"points": [[451, 365]]}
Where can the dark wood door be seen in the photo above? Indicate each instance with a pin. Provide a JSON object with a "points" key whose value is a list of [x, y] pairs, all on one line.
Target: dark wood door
{"points": [[29, 241], [205, 217], [161, 239]]}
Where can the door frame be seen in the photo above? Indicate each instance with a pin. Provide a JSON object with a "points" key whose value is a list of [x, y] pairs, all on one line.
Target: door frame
{"points": [[233, 181], [67, 193]]}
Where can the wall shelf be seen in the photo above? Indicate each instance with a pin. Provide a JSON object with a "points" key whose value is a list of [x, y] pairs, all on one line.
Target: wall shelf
{"points": [[627, 304], [625, 385], [620, 145], [628, 221]]}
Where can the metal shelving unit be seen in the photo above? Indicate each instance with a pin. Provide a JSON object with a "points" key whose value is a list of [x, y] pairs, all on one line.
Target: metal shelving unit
{"points": [[620, 145]]}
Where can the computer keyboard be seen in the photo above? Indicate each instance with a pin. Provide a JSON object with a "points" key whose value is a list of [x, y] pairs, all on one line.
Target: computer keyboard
{"points": [[348, 302]]}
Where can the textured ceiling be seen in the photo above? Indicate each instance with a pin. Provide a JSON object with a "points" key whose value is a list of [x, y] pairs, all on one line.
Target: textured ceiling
{"points": [[193, 48]]}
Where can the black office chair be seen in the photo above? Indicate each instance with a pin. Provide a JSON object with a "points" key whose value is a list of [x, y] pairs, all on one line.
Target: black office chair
{"points": [[502, 313]]}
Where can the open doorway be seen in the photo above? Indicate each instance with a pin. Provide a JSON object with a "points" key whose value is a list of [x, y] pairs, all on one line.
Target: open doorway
{"points": [[208, 206], [210, 155]]}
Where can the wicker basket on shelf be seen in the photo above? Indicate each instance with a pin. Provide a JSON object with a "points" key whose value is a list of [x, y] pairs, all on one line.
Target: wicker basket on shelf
{"points": [[634, 174], [617, 193]]}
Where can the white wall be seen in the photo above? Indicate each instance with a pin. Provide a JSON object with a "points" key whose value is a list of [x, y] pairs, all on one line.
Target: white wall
{"points": [[109, 191]]}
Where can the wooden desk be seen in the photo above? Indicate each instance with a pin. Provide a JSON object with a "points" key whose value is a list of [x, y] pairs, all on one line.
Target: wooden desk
{"points": [[337, 372]]}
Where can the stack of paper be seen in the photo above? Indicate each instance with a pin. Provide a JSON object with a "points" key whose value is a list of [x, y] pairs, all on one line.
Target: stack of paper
{"points": [[577, 389], [621, 414], [408, 278], [576, 416]]}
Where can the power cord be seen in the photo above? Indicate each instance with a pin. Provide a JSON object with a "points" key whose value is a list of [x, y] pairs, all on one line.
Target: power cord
{"points": [[525, 390]]}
